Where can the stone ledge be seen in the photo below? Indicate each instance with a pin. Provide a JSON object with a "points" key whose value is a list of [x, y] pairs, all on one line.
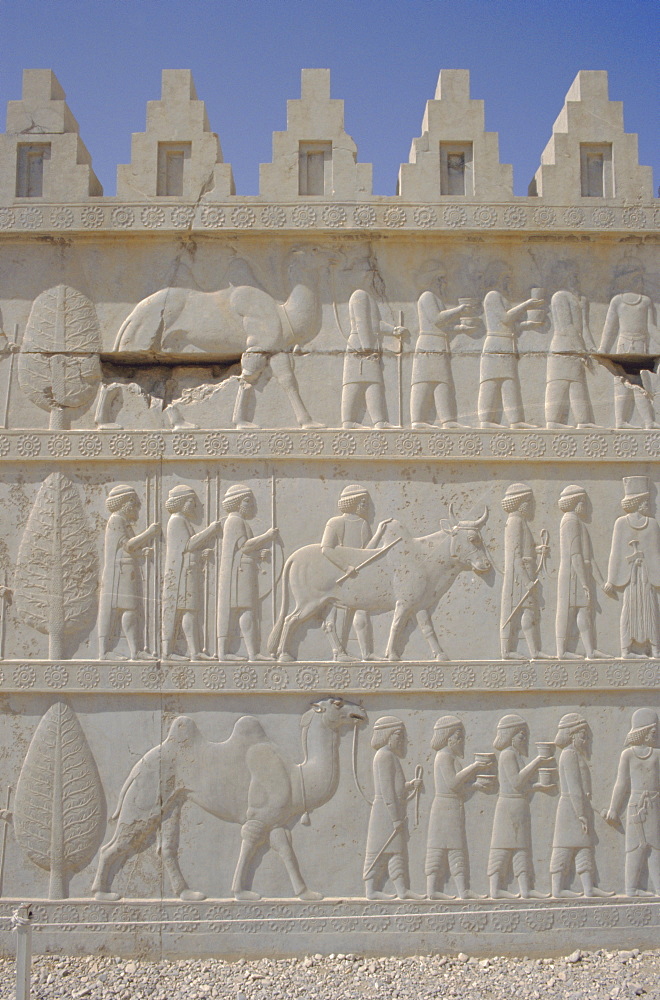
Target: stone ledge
{"points": [[361, 444], [375, 214], [308, 677], [227, 927]]}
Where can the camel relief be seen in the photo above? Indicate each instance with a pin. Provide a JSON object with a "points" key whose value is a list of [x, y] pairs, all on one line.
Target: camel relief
{"points": [[247, 779], [406, 575], [242, 319]]}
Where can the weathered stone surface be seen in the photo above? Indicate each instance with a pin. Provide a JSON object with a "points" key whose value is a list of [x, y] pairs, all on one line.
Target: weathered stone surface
{"points": [[330, 555]]}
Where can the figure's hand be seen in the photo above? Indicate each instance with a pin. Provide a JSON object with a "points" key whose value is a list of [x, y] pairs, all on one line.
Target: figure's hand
{"points": [[217, 525], [587, 594], [6, 816], [611, 817], [273, 534], [584, 825], [351, 571], [415, 784], [400, 332], [398, 823], [609, 589], [535, 303]]}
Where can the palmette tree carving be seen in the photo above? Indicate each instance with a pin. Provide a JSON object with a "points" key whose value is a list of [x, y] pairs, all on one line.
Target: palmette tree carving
{"points": [[59, 809], [59, 367], [57, 566]]}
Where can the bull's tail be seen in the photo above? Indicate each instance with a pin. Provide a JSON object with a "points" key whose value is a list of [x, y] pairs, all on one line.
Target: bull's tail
{"points": [[276, 633]]}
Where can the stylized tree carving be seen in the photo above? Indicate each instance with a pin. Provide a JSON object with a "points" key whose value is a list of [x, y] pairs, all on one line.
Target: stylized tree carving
{"points": [[59, 809], [59, 367], [56, 570]]}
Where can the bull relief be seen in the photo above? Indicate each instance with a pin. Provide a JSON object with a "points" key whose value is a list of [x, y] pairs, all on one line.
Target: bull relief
{"points": [[329, 538]]}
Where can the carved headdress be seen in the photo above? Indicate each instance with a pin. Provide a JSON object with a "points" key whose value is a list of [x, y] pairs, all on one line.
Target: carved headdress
{"points": [[641, 724], [569, 724]]}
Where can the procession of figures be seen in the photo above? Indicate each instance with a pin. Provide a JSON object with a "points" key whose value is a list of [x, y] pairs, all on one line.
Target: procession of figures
{"points": [[250, 781], [184, 587], [59, 367]]}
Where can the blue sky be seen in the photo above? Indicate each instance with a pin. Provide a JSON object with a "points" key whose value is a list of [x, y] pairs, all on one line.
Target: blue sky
{"points": [[246, 57]]}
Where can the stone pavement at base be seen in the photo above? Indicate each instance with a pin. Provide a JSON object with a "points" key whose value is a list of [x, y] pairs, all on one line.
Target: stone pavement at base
{"points": [[601, 975]]}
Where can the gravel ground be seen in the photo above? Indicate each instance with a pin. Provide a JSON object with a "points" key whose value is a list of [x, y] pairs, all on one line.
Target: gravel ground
{"points": [[600, 975]]}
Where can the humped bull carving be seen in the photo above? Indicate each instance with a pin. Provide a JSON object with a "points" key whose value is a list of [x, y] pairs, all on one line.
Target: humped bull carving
{"points": [[407, 575]]}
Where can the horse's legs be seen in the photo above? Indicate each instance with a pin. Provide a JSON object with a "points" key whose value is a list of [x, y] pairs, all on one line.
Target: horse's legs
{"points": [[253, 833], [169, 849], [425, 623], [401, 613], [280, 841]]}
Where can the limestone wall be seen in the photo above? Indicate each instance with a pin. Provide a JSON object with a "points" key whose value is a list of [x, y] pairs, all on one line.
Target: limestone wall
{"points": [[330, 559]]}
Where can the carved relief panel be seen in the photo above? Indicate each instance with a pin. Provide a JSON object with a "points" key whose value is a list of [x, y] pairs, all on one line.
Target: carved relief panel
{"points": [[329, 579]]}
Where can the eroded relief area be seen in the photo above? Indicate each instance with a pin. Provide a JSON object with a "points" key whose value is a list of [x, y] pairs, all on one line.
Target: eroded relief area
{"points": [[318, 336]]}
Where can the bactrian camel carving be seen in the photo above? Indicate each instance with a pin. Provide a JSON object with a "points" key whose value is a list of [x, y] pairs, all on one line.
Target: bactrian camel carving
{"points": [[407, 576], [246, 779], [242, 319]]}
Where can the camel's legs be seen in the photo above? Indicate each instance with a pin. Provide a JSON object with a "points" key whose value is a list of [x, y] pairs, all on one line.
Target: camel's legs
{"points": [[253, 833], [169, 849], [112, 855], [282, 369], [401, 613], [280, 841], [425, 623]]}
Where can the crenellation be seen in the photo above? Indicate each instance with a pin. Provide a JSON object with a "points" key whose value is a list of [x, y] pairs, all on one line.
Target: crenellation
{"points": [[315, 119], [590, 126], [454, 124], [177, 130], [41, 153]]}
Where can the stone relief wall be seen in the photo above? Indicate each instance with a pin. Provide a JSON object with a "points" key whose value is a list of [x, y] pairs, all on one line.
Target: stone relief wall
{"points": [[329, 562]]}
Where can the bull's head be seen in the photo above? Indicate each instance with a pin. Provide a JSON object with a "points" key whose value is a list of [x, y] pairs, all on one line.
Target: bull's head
{"points": [[466, 542]]}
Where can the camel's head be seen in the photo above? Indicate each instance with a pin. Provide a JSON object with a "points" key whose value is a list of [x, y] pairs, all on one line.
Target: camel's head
{"points": [[337, 713], [312, 259]]}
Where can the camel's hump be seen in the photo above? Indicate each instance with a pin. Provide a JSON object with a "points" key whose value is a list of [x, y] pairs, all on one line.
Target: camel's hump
{"points": [[247, 731]]}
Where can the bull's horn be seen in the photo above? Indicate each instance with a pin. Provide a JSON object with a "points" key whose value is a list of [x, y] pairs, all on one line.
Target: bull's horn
{"points": [[451, 513], [479, 523]]}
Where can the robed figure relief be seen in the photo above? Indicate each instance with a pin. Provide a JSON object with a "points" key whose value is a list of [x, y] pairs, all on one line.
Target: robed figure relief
{"points": [[387, 836], [574, 837], [638, 783], [523, 562], [575, 581], [183, 592], [121, 584], [634, 568], [238, 578], [511, 839], [446, 846]]}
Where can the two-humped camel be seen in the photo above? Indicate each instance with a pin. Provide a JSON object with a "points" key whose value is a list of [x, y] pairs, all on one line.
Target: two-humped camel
{"points": [[242, 320], [246, 779]]}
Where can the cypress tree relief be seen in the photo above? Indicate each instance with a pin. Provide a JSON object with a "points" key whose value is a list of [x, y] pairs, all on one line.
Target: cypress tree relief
{"points": [[59, 808], [57, 567]]}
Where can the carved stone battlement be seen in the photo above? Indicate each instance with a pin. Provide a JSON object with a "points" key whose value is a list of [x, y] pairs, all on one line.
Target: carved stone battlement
{"points": [[589, 178]]}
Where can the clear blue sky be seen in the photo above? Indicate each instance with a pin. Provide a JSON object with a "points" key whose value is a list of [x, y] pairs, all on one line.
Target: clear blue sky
{"points": [[246, 57]]}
